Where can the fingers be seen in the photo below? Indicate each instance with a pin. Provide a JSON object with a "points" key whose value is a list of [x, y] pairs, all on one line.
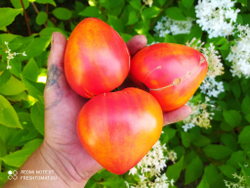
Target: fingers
{"points": [[58, 44], [176, 115], [56, 85], [136, 43]]}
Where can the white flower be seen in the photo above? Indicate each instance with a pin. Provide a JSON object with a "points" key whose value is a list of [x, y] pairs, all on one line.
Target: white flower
{"points": [[11, 55], [200, 115], [148, 2], [133, 171], [216, 17], [240, 54], [211, 87], [151, 166], [167, 25], [215, 67], [188, 126]]}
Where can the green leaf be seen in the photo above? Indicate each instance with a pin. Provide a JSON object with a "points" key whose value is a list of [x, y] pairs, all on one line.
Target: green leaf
{"points": [[167, 135], [247, 117], [28, 133], [188, 3], [210, 173], [115, 23], [47, 32], [19, 97], [6, 133], [161, 2], [12, 87], [105, 3], [203, 183], [3, 150], [136, 4], [232, 117], [245, 105], [4, 77], [126, 37], [62, 13], [150, 12], [244, 136], [41, 18], [174, 171], [113, 183], [217, 151], [132, 18], [8, 15], [201, 141], [90, 12], [8, 116], [235, 87], [227, 170], [169, 39], [17, 158], [37, 116], [31, 70], [186, 139], [17, 4], [193, 170], [44, 1], [16, 138], [25, 120], [236, 157], [34, 89], [246, 172], [16, 67], [229, 141], [218, 183], [175, 13]]}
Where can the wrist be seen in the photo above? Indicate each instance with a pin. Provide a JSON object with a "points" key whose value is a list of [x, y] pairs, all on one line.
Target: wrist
{"points": [[62, 166]]}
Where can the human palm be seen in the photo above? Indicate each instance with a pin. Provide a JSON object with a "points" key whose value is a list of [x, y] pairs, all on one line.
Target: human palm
{"points": [[62, 106]]}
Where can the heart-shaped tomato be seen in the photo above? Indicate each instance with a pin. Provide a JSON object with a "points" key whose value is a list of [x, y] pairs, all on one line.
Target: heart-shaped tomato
{"points": [[96, 58], [119, 128], [171, 72]]}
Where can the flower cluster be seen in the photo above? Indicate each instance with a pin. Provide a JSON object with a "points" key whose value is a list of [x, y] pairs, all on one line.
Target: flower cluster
{"points": [[200, 115], [11, 55], [215, 67], [167, 25], [240, 184], [148, 2], [210, 86], [151, 166], [240, 54], [216, 17]]}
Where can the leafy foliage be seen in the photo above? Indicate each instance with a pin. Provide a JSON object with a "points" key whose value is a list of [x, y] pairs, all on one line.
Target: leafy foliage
{"points": [[206, 156]]}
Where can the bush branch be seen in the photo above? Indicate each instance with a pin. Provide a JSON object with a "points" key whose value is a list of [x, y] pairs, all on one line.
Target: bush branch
{"points": [[26, 17], [160, 13], [37, 11]]}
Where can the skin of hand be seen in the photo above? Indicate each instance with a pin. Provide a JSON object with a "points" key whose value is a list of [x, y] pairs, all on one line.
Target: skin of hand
{"points": [[61, 149]]}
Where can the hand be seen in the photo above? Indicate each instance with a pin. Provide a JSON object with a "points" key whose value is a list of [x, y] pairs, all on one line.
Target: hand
{"points": [[61, 150], [62, 106]]}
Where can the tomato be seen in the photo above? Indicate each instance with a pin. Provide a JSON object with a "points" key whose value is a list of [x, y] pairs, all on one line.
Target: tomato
{"points": [[96, 58], [119, 128], [171, 72]]}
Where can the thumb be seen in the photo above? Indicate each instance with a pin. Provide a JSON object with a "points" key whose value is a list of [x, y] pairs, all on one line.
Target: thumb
{"points": [[176, 115], [56, 83]]}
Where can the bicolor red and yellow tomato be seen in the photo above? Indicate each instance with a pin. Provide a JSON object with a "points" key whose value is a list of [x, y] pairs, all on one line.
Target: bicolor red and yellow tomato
{"points": [[171, 72], [119, 128], [96, 58]]}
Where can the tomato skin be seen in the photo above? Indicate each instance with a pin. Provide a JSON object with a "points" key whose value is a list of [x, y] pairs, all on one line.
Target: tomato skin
{"points": [[172, 72], [119, 128], [96, 58]]}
